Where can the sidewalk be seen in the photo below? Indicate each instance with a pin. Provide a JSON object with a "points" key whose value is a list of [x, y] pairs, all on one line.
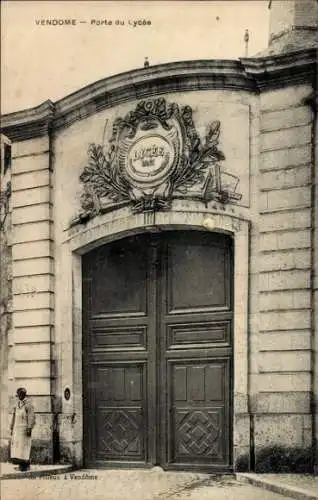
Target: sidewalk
{"points": [[299, 486], [7, 470]]}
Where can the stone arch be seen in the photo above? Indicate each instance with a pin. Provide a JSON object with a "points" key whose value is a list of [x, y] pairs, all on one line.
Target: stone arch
{"points": [[109, 227]]}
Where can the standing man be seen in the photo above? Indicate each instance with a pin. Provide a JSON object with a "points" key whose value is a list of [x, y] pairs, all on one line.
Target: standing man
{"points": [[22, 423]]}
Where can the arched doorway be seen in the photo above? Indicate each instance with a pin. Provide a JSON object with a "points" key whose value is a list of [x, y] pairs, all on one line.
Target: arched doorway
{"points": [[157, 351]]}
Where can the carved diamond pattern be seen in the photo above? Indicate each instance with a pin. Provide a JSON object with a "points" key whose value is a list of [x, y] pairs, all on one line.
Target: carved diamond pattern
{"points": [[198, 433], [121, 433]]}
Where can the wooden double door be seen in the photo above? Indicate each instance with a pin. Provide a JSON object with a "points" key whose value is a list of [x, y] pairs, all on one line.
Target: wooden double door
{"points": [[157, 351]]}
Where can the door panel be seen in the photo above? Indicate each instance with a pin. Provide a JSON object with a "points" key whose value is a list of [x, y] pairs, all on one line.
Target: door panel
{"points": [[118, 355], [123, 288], [197, 274], [157, 345], [198, 424], [197, 335], [119, 337], [120, 412], [196, 351]]}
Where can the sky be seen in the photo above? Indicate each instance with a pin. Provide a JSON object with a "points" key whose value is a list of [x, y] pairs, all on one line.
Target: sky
{"points": [[41, 62]]}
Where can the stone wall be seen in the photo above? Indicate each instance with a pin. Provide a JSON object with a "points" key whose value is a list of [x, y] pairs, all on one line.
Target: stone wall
{"points": [[282, 406], [33, 283]]}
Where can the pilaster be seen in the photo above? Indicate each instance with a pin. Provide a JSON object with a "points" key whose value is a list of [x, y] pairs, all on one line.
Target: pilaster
{"points": [[33, 284]]}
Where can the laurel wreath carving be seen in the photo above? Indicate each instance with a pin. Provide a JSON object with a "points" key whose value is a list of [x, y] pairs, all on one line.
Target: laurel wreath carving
{"points": [[103, 178]]}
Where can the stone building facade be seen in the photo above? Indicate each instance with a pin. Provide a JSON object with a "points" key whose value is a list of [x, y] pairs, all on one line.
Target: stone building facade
{"points": [[222, 157]]}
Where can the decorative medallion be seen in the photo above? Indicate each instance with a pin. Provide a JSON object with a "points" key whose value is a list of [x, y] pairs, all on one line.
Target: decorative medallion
{"points": [[154, 155]]}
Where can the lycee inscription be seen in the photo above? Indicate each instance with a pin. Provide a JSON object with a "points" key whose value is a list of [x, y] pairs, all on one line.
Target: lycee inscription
{"points": [[149, 159], [149, 154]]}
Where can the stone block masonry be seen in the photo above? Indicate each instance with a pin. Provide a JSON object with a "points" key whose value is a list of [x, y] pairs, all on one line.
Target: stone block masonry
{"points": [[285, 357], [33, 284]]}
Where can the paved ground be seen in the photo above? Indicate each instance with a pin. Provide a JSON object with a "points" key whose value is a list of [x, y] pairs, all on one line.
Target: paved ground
{"points": [[307, 482], [153, 484]]}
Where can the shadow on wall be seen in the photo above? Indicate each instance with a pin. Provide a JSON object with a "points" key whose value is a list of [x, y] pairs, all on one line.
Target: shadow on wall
{"points": [[284, 459], [277, 459]]}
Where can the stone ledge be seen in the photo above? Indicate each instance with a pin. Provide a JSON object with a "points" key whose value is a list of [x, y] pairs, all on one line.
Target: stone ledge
{"points": [[290, 116], [282, 382], [276, 487], [33, 213], [283, 209], [32, 231], [286, 178], [32, 250], [284, 301], [285, 220], [281, 403], [288, 157], [29, 147], [31, 196], [284, 280], [8, 471], [296, 136], [31, 155], [292, 197]]}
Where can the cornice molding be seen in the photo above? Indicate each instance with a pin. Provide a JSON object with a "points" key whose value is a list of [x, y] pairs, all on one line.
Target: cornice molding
{"points": [[28, 123], [272, 72], [251, 75]]}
